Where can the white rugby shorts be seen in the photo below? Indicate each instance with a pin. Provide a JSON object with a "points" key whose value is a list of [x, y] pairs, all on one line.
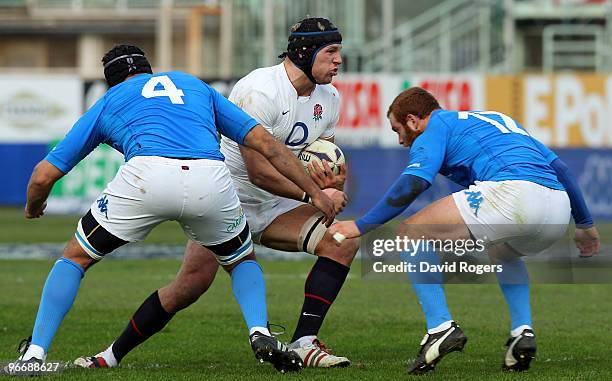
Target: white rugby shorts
{"points": [[527, 216], [148, 190]]}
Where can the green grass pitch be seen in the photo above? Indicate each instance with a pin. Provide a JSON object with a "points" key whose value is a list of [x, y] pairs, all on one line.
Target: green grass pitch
{"points": [[378, 325]]}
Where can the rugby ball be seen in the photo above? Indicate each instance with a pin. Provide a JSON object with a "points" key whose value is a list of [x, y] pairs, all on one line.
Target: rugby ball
{"points": [[320, 150]]}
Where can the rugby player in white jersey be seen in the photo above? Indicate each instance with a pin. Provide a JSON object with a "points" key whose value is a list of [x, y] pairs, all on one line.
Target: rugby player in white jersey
{"points": [[297, 104]]}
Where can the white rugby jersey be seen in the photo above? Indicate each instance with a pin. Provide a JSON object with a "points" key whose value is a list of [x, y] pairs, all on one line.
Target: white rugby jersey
{"points": [[267, 95]]}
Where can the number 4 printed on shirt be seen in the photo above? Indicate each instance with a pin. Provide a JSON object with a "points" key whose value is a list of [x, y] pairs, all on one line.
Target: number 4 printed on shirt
{"points": [[169, 89]]}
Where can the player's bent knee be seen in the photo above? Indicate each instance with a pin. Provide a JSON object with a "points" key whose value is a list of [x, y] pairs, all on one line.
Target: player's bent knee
{"points": [[343, 254], [232, 251], [94, 239], [312, 233], [75, 254], [314, 239]]}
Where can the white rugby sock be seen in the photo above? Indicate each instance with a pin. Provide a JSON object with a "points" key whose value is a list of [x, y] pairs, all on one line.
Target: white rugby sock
{"points": [[303, 341], [35, 351], [442, 327], [262, 330], [109, 356], [518, 330]]}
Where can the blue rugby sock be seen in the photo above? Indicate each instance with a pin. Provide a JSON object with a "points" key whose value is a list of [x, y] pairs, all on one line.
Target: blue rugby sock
{"points": [[514, 283], [57, 298], [249, 289], [428, 288]]}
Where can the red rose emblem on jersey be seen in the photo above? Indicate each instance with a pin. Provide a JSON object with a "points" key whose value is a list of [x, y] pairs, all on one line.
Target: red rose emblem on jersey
{"points": [[318, 112]]}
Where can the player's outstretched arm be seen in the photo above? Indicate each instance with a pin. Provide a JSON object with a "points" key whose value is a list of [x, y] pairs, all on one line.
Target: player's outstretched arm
{"points": [[288, 165], [587, 236], [41, 182], [401, 194]]}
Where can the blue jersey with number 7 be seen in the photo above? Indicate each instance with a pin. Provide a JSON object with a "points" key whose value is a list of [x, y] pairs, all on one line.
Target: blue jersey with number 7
{"points": [[469, 146], [170, 114]]}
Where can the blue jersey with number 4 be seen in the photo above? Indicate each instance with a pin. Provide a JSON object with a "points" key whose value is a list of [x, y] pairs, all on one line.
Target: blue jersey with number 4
{"points": [[167, 114], [469, 146]]}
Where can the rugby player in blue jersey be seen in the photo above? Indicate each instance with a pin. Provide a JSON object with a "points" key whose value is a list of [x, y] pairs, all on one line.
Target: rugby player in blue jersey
{"points": [[518, 201], [167, 127]]}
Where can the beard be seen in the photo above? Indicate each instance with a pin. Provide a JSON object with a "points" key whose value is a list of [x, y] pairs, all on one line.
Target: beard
{"points": [[412, 135]]}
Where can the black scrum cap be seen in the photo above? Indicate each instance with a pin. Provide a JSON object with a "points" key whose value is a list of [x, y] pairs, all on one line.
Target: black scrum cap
{"points": [[307, 38], [123, 61]]}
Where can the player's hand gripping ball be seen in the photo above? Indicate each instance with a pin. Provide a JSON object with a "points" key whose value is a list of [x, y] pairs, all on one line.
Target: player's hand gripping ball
{"points": [[320, 150]]}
